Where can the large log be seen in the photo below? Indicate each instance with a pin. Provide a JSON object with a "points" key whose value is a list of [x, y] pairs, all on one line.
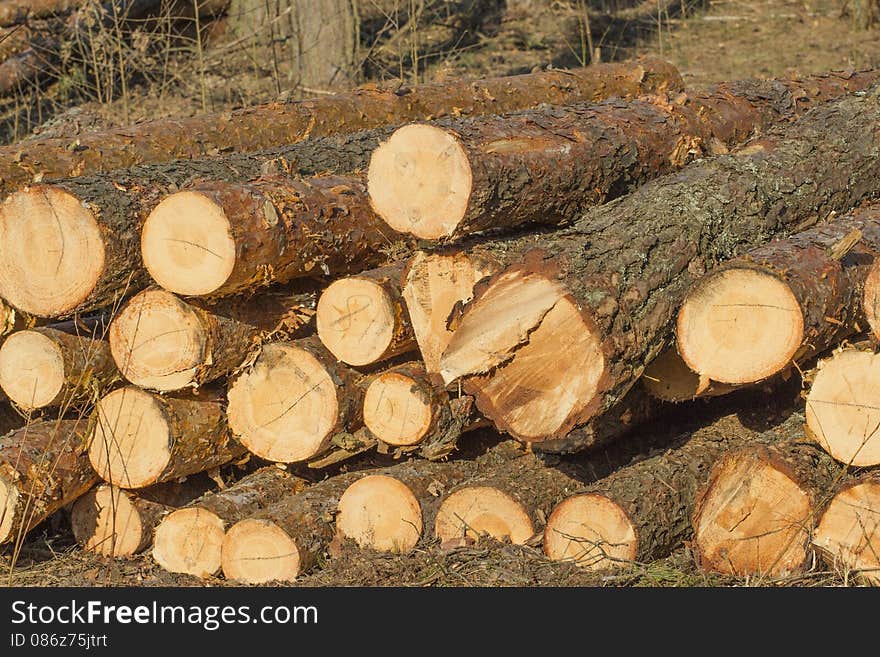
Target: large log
{"points": [[268, 126], [43, 467], [48, 367], [459, 177], [141, 439], [757, 512], [189, 540], [781, 303], [609, 286], [160, 342]]}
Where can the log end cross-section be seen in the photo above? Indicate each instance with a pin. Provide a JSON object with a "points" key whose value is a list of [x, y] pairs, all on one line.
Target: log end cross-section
{"points": [[190, 541], [476, 510], [278, 555], [380, 512], [398, 410], [31, 369]]}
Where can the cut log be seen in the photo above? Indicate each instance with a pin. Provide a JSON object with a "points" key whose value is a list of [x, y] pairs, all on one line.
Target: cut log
{"points": [[363, 319], [848, 534], [435, 285], [843, 407], [189, 540], [42, 468], [141, 439], [290, 402], [267, 126], [782, 303], [284, 540], [642, 512], [609, 286], [216, 239], [114, 522], [380, 512], [163, 343], [46, 367], [464, 176], [668, 378], [756, 514]]}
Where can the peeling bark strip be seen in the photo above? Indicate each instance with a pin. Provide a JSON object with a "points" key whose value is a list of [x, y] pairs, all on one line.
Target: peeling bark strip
{"points": [[42, 468], [285, 540], [46, 367], [189, 540], [267, 126], [610, 285], [781, 303], [756, 513], [141, 439], [464, 176], [160, 342]]}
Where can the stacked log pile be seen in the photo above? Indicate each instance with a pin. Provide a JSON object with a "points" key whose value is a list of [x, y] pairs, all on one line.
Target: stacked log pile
{"points": [[384, 302]]}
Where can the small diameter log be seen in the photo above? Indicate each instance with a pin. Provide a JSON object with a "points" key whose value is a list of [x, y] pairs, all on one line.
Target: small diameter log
{"points": [[642, 512], [668, 378], [843, 407], [460, 177], [781, 303], [290, 402], [267, 126], [189, 540], [434, 286], [848, 534], [163, 343], [609, 286], [756, 513], [46, 367], [216, 239], [402, 408], [42, 468], [284, 540], [114, 522], [363, 319], [141, 438]]}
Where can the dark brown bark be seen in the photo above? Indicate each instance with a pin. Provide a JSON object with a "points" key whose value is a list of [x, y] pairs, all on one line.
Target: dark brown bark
{"points": [[627, 265], [43, 467], [545, 166]]}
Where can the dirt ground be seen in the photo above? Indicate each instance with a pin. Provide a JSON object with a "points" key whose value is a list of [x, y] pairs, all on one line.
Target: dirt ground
{"points": [[723, 40]]}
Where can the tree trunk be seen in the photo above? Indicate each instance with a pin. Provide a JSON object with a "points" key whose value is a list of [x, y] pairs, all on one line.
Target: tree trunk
{"points": [[363, 319], [610, 285], [267, 126], [46, 367], [162, 343], [141, 439], [463, 176], [781, 303], [292, 399], [189, 540], [756, 513], [42, 468]]}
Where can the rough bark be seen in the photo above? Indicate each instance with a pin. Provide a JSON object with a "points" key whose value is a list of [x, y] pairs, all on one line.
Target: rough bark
{"points": [[545, 166], [756, 513], [42, 468], [114, 522], [267, 126], [14, 12], [626, 266], [141, 439]]}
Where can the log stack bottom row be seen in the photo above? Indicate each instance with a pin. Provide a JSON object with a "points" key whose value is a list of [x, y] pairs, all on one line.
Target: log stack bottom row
{"points": [[379, 302]]}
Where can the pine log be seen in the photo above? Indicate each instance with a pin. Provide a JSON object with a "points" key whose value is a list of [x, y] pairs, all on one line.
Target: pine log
{"points": [[189, 540], [42, 468], [848, 533], [464, 176], [160, 342], [757, 512], [362, 319], [669, 379], [267, 126], [609, 286], [843, 406], [780, 304], [141, 438], [44, 366], [435, 286], [289, 403], [285, 540]]}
